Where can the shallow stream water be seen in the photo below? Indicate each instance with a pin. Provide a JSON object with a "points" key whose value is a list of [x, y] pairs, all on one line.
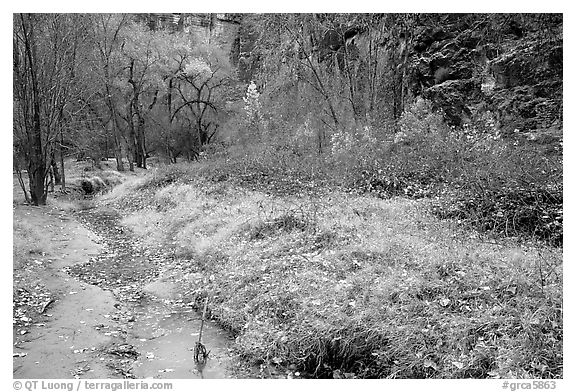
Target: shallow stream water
{"points": [[165, 333], [161, 328]]}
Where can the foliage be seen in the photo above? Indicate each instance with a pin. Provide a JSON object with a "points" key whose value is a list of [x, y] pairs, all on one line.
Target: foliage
{"points": [[357, 75], [252, 104], [530, 212], [308, 271], [507, 186], [164, 176], [356, 287], [144, 92]]}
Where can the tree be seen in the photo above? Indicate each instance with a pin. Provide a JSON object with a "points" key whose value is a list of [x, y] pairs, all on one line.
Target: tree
{"points": [[200, 82], [349, 69], [143, 50], [106, 64], [44, 63], [190, 102]]}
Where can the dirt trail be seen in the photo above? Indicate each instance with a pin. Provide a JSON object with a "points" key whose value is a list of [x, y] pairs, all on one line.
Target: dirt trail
{"points": [[119, 312], [67, 345]]}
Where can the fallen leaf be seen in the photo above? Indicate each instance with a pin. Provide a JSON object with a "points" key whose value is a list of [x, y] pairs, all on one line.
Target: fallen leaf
{"points": [[430, 364], [459, 365]]}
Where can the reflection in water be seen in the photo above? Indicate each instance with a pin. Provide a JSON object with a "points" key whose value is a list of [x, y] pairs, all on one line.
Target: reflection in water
{"points": [[200, 367], [166, 334]]}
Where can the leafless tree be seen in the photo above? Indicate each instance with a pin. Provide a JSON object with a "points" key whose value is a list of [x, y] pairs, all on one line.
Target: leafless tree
{"points": [[44, 62]]}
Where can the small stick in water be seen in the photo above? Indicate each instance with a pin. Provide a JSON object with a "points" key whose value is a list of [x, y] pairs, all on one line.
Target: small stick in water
{"points": [[200, 354]]}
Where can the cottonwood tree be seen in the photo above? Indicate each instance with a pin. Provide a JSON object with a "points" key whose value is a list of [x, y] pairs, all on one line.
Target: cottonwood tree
{"points": [[156, 88], [143, 51], [107, 66], [200, 85], [44, 69], [170, 134], [197, 80]]}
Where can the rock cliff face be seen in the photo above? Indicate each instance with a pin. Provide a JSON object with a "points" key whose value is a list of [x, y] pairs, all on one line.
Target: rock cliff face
{"points": [[508, 64], [220, 30], [225, 31]]}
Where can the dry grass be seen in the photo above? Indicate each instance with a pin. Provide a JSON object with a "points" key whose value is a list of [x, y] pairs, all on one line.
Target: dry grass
{"points": [[355, 285], [28, 241]]}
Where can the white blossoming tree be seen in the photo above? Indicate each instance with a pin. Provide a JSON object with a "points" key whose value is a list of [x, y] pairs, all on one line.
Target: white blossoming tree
{"points": [[253, 109]]}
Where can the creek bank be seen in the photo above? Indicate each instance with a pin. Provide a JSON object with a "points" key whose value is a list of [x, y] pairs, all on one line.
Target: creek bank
{"points": [[162, 324]]}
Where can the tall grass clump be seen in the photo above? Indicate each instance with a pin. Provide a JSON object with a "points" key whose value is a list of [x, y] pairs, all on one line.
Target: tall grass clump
{"points": [[165, 175], [28, 241]]}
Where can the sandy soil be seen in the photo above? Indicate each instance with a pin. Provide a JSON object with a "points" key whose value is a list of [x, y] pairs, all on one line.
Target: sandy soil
{"points": [[68, 344], [117, 311]]}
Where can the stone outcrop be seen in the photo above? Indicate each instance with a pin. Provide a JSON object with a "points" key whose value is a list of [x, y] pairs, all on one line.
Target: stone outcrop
{"points": [[503, 63], [220, 30]]}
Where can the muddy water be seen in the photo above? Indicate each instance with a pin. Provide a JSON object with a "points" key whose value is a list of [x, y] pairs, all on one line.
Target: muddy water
{"points": [[165, 332], [161, 326], [165, 338], [63, 344]]}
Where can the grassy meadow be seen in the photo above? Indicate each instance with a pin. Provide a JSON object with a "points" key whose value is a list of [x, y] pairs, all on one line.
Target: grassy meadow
{"points": [[342, 285]]}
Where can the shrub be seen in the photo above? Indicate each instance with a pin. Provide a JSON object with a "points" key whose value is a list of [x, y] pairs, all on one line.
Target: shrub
{"points": [[165, 175], [92, 185], [356, 150], [511, 186], [285, 223]]}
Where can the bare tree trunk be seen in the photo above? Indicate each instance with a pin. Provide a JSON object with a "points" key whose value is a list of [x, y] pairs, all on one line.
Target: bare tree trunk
{"points": [[50, 179], [54, 171], [20, 179], [131, 152], [138, 129], [63, 176], [133, 143], [36, 176], [118, 154], [142, 141], [351, 83], [37, 163], [199, 130], [117, 141]]}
